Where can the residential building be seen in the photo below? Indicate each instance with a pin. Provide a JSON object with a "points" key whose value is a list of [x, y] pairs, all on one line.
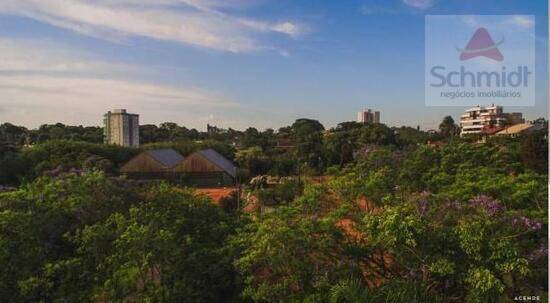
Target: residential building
{"points": [[202, 168], [121, 128], [482, 119], [376, 117], [368, 116], [521, 128], [152, 164], [207, 168]]}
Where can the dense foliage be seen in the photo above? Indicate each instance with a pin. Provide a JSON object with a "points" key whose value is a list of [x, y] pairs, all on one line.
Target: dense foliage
{"points": [[55, 156], [391, 219], [458, 223], [301, 148], [90, 238]]}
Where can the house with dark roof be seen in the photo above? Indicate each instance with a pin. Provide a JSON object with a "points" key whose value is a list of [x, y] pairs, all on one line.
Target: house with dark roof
{"points": [[153, 164], [207, 168], [202, 168]]}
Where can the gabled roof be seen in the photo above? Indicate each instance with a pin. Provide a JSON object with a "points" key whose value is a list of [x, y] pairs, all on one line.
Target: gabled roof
{"points": [[219, 160], [491, 130], [167, 157], [519, 128]]}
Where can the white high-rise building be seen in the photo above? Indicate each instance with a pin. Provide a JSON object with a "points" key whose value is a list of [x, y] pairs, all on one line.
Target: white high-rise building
{"points": [[368, 116], [121, 128], [487, 119]]}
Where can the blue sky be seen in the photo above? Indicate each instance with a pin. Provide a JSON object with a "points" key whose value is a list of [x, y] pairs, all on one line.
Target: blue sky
{"points": [[232, 63]]}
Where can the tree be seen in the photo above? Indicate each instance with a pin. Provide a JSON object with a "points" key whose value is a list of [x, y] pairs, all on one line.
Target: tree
{"points": [[253, 160], [12, 167], [448, 128], [534, 151], [13, 135], [35, 221], [168, 248], [348, 126], [377, 133], [484, 258], [400, 221], [251, 137], [149, 133], [308, 138], [411, 136], [89, 238], [98, 163], [288, 255], [167, 131], [67, 154], [302, 128], [60, 131], [339, 147]]}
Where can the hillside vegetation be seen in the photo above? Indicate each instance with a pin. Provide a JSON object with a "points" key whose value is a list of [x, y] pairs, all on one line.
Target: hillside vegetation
{"points": [[392, 219]]}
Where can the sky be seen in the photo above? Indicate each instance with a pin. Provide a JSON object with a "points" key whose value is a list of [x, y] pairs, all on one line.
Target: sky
{"points": [[232, 63]]}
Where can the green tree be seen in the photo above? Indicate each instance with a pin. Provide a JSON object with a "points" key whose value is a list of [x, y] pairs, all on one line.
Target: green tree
{"points": [[67, 154], [534, 151], [253, 160], [12, 166], [448, 128], [13, 135], [308, 138], [289, 255], [339, 147], [87, 238], [377, 133], [35, 221], [168, 248]]}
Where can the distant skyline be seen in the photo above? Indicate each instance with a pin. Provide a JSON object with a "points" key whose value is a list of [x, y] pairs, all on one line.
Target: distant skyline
{"points": [[231, 63]]}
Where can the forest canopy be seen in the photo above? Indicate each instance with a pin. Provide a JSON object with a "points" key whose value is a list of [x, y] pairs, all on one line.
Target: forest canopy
{"points": [[360, 213]]}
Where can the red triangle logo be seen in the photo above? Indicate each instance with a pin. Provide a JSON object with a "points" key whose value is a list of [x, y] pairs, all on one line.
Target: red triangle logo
{"points": [[481, 44]]}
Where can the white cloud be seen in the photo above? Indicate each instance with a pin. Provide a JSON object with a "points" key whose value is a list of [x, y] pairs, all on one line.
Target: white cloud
{"points": [[33, 100], [44, 82], [523, 21], [193, 22], [419, 4], [90, 91], [288, 28], [215, 4], [384, 7], [19, 55]]}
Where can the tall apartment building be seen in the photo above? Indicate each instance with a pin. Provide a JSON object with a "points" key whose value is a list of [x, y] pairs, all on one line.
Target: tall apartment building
{"points": [[488, 119], [368, 116], [121, 128]]}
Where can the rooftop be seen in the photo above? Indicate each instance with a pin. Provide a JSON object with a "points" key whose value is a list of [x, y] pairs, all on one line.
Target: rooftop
{"points": [[516, 129], [167, 157], [219, 160]]}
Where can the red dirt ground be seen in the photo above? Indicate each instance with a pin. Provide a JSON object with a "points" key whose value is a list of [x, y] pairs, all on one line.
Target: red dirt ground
{"points": [[216, 194]]}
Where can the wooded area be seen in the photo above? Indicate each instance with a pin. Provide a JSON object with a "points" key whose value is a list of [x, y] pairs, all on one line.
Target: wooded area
{"points": [[356, 213]]}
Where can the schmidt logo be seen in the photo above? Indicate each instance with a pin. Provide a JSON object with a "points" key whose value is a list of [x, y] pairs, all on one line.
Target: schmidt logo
{"points": [[479, 72], [481, 45]]}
